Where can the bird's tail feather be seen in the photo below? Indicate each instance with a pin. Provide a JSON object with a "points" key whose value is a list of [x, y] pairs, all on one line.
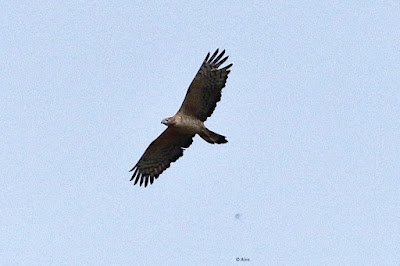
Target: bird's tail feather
{"points": [[212, 137]]}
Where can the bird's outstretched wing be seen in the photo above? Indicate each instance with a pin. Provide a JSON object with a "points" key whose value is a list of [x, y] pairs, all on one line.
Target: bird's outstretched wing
{"points": [[205, 90], [164, 150]]}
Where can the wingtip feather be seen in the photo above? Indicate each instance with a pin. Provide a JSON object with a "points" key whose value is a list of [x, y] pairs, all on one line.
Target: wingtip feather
{"points": [[207, 56], [227, 67], [219, 57], [133, 168], [213, 56], [134, 173], [137, 179], [141, 180]]}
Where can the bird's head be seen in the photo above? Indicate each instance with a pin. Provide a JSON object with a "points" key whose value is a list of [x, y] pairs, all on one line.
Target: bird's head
{"points": [[169, 121]]}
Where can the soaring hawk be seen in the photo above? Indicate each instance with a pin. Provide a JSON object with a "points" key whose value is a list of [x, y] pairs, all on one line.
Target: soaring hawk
{"points": [[201, 99]]}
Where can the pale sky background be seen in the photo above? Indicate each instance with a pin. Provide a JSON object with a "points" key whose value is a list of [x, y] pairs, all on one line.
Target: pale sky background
{"points": [[311, 111]]}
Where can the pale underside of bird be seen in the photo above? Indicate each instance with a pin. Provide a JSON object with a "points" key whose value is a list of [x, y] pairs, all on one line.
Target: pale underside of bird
{"points": [[200, 101]]}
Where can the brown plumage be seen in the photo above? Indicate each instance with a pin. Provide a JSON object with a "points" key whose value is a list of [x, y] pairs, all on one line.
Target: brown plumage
{"points": [[200, 101]]}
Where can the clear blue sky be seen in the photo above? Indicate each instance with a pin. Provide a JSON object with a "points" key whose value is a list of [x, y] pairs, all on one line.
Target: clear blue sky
{"points": [[311, 111]]}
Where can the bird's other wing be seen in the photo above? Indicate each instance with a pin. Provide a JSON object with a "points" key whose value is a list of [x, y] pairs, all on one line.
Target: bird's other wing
{"points": [[205, 90], [164, 150]]}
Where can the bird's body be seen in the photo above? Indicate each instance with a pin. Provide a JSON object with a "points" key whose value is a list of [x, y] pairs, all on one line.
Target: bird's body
{"points": [[186, 124], [200, 101]]}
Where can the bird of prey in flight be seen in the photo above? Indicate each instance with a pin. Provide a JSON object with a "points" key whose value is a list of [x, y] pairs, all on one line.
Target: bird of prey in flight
{"points": [[200, 101]]}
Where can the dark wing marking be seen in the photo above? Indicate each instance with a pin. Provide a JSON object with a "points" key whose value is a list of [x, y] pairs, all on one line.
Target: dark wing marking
{"points": [[164, 150], [205, 90]]}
